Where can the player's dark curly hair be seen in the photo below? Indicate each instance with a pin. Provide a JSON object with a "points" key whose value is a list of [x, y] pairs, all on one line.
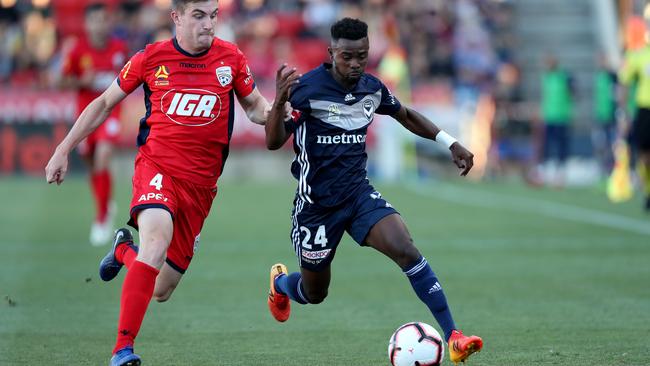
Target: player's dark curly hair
{"points": [[348, 28]]}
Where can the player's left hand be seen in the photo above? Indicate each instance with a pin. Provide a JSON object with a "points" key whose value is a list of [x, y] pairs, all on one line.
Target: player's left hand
{"points": [[462, 157]]}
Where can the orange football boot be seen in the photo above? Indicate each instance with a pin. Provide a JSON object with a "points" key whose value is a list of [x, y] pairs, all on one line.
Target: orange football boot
{"points": [[279, 304], [462, 346]]}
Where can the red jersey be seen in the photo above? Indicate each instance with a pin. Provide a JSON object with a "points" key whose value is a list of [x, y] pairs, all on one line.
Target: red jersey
{"points": [[104, 63], [190, 106]]}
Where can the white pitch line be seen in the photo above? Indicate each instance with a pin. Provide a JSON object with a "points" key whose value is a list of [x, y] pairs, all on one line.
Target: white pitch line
{"points": [[473, 197]]}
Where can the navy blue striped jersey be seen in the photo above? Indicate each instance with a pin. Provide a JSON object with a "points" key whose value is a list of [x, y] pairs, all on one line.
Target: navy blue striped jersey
{"points": [[329, 125]]}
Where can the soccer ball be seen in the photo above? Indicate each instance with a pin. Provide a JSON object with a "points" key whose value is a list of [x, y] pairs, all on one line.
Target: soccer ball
{"points": [[416, 344]]}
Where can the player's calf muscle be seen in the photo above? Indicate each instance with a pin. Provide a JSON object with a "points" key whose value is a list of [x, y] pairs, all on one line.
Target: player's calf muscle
{"points": [[162, 295]]}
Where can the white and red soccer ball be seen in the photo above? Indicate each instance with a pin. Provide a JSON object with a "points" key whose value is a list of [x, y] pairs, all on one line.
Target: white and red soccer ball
{"points": [[416, 344]]}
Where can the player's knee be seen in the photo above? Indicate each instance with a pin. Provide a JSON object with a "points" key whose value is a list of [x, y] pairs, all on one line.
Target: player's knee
{"points": [[153, 253], [153, 259], [316, 297], [407, 253]]}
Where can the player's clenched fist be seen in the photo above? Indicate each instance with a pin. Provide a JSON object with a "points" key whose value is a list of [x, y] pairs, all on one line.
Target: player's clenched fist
{"points": [[56, 168]]}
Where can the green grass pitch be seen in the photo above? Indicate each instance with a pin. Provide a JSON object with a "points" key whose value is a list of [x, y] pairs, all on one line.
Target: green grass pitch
{"points": [[545, 277]]}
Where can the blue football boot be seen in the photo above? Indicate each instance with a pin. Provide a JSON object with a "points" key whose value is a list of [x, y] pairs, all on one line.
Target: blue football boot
{"points": [[109, 267], [125, 356]]}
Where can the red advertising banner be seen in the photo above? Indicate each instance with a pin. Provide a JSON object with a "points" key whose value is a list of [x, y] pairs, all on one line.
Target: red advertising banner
{"points": [[29, 107], [32, 123]]}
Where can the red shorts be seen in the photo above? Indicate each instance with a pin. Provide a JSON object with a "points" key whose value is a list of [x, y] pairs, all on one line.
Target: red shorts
{"points": [[109, 131], [188, 204]]}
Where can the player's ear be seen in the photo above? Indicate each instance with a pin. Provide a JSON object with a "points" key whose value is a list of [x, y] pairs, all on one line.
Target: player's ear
{"points": [[175, 17], [331, 52]]}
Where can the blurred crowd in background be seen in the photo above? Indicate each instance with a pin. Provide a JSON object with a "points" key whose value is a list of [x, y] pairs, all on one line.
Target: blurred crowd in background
{"points": [[461, 43], [429, 52]]}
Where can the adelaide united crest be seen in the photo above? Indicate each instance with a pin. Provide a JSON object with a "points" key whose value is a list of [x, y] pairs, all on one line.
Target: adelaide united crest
{"points": [[224, 75]]}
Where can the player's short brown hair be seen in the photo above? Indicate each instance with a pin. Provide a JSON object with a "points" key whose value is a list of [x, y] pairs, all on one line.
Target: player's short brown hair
{"points": [[179, 5]]}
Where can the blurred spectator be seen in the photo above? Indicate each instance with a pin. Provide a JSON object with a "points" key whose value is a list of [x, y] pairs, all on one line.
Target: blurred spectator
{"points": [[557, 112], [11, 41], [128, 26], [446, 43], [473, 54], [161, 34], [28, 47], [605, 101], [90, 67], [512, 149], [319, 15], [635, 70]]}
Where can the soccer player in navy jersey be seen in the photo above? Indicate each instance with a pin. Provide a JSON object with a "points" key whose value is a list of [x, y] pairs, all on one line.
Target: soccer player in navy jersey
{"points": [[333, 106], [190, 84]]}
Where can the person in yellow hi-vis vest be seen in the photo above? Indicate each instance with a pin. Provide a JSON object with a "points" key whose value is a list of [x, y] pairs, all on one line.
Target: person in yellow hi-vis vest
{"points": [[636, 68]]}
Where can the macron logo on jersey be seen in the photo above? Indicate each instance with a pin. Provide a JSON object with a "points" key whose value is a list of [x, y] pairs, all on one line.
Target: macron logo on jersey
{"points": [[191, 107]]}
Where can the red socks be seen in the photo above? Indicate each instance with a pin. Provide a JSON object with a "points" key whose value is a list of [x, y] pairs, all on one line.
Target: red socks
{"points": [[101, 186], [137, 292], [125, 254]]}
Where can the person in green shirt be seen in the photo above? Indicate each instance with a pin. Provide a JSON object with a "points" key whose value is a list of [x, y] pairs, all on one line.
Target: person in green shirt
{"points": [[557, 112], [604, 129]]}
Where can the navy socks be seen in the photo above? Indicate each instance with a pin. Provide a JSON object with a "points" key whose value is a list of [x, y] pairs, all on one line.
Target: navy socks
{"points": [[428, 289], [291, 286]]}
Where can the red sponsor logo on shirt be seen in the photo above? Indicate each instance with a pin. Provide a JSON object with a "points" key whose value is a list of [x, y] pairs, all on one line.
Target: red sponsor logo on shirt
{"points": [[191, 107]]}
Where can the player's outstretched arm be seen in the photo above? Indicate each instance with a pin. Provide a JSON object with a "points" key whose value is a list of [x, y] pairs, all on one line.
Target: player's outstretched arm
{"points": [[91, 117], [276, 134], [255, 106], [423, 127]]}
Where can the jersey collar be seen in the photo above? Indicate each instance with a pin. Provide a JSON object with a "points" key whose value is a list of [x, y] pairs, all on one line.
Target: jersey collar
{"points": [[326, 67], [185, 53]]}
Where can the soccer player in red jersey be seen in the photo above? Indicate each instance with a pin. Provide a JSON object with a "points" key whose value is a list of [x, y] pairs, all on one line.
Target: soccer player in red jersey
{"points": [[90, 67], [190, 83]]}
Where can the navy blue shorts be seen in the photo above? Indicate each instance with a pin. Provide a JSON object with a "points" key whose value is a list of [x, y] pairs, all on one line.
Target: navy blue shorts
{"points": [[318, 230]]}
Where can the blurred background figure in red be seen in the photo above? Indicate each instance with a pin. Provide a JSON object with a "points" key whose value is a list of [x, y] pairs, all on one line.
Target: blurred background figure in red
{"points": [[90, 66]]}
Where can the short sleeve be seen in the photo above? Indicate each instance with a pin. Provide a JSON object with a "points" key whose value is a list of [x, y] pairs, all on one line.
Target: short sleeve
{"points": [[132, 74], [299, 101], [243, 83], [298, 97], [389, 104]]}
